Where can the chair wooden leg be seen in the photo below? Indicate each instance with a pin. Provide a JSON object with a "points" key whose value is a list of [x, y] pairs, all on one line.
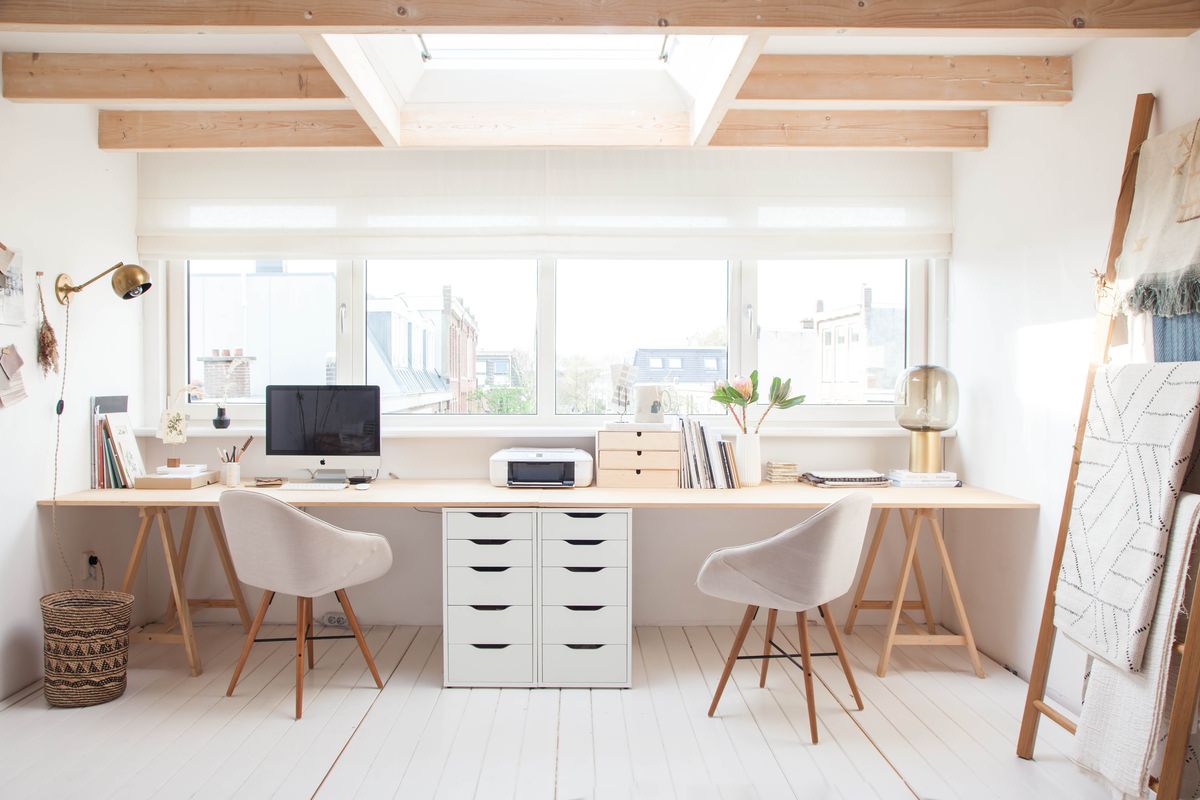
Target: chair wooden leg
{"points": [[267, 597], [358, 634], [831, 626], [762, 670], [301, 624], [806, 659], [309, 632], [738, 641]]}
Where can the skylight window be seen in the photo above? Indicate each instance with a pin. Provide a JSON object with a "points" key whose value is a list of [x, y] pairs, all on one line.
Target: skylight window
{"points": [[545, 50]]}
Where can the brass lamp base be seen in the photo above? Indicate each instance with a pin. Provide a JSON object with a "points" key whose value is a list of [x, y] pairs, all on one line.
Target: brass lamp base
{"points": [[925, 451]]}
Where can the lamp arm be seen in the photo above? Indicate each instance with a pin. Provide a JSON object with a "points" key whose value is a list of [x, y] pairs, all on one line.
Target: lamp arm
{"points": [[90, 281]]}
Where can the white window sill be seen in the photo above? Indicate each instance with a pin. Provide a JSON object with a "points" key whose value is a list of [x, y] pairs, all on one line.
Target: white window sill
{"points": [[822, 431]]}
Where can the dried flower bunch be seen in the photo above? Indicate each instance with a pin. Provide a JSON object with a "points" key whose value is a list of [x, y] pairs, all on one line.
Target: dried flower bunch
{"points": [[47, 341]]}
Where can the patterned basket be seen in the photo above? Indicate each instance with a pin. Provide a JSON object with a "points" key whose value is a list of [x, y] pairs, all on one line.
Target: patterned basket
{"points": [[86, 646]]}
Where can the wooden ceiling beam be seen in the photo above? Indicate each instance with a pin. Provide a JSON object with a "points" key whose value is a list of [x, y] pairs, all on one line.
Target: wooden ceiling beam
{"points": [[298, 80], [219, 130], [346, 60], [783, 81], [1142, 17], [854, 129]]}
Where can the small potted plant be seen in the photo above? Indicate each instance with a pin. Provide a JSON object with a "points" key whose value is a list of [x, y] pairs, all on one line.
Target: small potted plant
{"points": [[221, 421], [743, 393]]}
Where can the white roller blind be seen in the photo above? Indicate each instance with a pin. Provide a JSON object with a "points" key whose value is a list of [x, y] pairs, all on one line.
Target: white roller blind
{"points": [[693, 203]]}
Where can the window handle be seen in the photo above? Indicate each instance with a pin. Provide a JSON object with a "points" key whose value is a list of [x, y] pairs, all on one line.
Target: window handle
{"points": [[750, 326], [342, 318]]}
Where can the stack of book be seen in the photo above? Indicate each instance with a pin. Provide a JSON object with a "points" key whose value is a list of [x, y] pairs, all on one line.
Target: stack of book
{"points": [[935, 480], [116, 459], [846, 478], [708, 461], [782, 472]]}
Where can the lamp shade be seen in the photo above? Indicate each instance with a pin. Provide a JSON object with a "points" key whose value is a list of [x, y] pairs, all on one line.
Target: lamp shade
{"points": [[130, 281], [927, 399]]}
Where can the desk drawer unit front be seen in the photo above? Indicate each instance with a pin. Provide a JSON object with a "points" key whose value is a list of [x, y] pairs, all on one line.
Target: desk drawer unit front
{"points": [[587, 665], [638, 478], [639, 459], [505, 586], [489, 553], [638, 440], [585, 586], [489, 665], [584, 553], [585, 525], [489, 524], [585, 625], [489, 624]]}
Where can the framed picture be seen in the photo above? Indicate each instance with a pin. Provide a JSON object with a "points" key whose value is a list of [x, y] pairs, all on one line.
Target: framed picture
{"points": [[12, 291]]}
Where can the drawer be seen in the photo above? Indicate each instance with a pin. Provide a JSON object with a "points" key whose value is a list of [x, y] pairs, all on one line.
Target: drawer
{"points": [[584, 586], [585, 525], [584, 553], [637, 440], [575, 664], [482, 666], [638, 478], [638, 459], [501, 586], [489, 553], [490, 624], [585, 625], [489, 524]]}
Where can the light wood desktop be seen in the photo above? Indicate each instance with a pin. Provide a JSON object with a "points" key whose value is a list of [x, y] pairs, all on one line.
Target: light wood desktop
{"points": [[916, 508]]}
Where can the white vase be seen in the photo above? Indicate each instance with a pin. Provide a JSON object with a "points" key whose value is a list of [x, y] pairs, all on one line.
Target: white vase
{"points": [[748, 452]]}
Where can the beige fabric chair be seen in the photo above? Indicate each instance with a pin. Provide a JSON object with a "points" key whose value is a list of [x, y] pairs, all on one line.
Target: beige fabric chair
{"points": [[281, 549], [802, 568]]}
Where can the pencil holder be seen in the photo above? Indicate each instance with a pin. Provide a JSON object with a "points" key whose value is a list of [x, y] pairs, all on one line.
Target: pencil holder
{"points": [[231, 474]]}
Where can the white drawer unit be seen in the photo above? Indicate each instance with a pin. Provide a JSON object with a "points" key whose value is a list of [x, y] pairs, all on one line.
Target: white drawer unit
{"points": [[537, 597]]}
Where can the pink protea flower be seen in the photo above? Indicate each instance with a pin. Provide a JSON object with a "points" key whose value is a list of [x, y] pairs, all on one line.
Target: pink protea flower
{"points": [[742, 386]]}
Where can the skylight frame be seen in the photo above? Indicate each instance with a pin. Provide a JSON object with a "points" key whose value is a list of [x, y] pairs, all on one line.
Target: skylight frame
{"points": [[590, 51]]}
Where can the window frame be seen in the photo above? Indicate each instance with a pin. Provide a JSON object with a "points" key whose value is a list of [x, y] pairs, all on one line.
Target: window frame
{"points": [[925, 341]]}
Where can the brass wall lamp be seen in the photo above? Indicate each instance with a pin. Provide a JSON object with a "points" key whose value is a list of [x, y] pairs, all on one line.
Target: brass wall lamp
{"points": [[128, 281]]}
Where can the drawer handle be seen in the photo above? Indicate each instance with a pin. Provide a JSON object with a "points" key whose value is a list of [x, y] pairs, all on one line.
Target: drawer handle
{"points": [[489, 542], [639, 452], [585, 514], [582, 646], [489, 514], [584, 569], [489, 646], [490, 569], [583, 608], [490, 608], [583, 542], [637, 472]]}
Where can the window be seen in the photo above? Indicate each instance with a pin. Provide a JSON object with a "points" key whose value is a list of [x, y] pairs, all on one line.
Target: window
{"points": [[254, 323], [837, 328], [669, 319], [461, 309]]}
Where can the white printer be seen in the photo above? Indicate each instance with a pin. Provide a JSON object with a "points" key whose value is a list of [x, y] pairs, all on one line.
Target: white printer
{"points": [[541, 467]]}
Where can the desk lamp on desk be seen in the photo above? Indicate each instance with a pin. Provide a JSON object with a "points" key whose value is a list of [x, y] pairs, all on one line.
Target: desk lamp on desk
{"points": [[325, 430]]}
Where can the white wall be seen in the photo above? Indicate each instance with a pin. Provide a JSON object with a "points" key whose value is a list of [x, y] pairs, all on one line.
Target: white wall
{"points": [[69, 208], [1033, 215]]}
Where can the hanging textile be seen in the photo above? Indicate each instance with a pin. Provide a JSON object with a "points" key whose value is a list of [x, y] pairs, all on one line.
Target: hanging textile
{"points": [[1176, 338], [1136, 451]]}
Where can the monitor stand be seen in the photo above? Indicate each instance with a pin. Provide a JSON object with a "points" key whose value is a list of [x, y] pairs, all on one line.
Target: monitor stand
{"points": [[330, 476]]}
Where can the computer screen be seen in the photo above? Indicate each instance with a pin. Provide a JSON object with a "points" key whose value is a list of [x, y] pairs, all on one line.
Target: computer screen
{"points": [[322, 421]]}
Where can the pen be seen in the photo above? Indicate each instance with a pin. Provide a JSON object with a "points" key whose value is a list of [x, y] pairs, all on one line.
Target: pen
{"points": [[246, 446], [220, 454]]}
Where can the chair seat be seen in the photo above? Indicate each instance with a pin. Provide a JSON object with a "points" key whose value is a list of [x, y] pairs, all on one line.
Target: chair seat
{"points": [[719, 578]]}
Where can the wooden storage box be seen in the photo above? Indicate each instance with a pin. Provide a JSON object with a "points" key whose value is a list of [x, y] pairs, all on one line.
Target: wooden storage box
{"points": [[633, 459]]}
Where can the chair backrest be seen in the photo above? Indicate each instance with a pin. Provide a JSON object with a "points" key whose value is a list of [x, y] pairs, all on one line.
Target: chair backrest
{"points": [[275, 546], [813, 562]]}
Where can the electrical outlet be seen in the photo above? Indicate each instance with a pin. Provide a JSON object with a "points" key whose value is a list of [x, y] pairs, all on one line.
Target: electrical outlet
{"points": [[334, 620], [91, 562]]}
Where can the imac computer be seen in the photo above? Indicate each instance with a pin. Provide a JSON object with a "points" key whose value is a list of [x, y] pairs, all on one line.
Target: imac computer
{"points": [[323, 429]]}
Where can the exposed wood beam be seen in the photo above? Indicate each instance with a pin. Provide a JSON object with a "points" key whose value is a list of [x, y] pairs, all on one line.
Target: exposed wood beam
{"points": [[343, 56], [712, 94], [215, 130], [109, 77], [678, 16], [417, 126], [884, 130], [783, 81]]}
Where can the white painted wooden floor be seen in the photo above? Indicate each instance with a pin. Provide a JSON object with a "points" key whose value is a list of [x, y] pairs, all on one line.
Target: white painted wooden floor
{"points": [[930, 729]]}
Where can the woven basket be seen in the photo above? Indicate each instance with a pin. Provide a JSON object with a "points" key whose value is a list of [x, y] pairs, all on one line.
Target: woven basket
{"points": [[86, 646]]}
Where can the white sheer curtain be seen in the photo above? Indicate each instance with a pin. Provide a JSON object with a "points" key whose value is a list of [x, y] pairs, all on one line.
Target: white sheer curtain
{"points": [[694, 203]]}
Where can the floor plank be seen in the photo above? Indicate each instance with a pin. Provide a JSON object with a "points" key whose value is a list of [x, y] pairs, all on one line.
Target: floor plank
{"points": [[929, 729]]}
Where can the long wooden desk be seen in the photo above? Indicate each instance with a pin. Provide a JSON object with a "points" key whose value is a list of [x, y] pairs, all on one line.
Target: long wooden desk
{"points": [[915, 506]]}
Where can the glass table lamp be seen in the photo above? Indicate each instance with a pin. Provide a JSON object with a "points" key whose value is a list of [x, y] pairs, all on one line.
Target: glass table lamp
{"points": [[926, 405]]}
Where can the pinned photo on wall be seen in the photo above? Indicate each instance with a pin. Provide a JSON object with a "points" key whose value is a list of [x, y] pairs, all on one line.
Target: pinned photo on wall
{"points": [[12, 386], [12, 287]]}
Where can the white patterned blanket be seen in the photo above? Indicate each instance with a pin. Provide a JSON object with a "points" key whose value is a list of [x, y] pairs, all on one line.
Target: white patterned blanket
{"points": [[1135, 456]]}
